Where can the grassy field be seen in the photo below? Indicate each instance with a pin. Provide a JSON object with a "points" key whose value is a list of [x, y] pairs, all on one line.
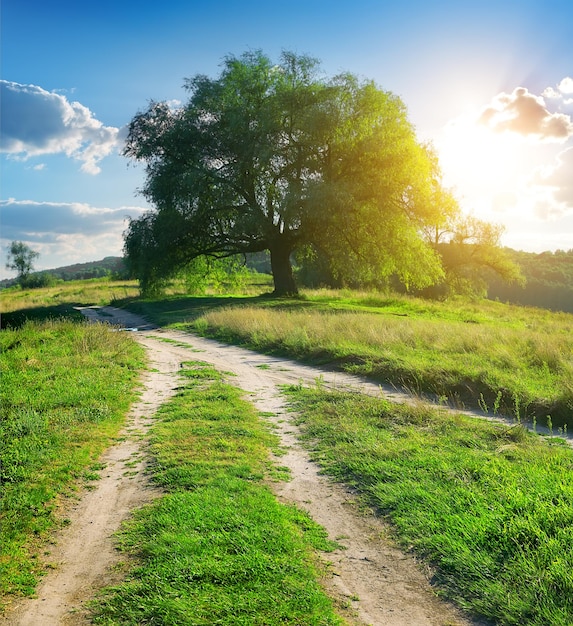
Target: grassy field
{"points": [[65, 294], [504, 359], [17, 304], [218, 548], [488, 507], [66, 387]]}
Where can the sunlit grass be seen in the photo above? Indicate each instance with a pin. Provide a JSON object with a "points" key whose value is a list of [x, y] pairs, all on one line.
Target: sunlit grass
{"points": [[89, 292], [513, 359], [18, 304], [99, 291], [520, 360], [65, 391], [218, 548], [489, 507]]}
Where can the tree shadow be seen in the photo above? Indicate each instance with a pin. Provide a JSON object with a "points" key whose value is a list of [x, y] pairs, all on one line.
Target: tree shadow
{"points": [[161, 312], [16, 319], [173, 309]]}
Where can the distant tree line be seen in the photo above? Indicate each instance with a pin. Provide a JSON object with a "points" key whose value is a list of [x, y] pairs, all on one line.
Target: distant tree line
{"points": [[22, 263], [548, 281], [114, 267]]}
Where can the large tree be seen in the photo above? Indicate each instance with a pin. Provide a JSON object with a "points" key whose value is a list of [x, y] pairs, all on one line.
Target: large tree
{"points": [[275, 157]]}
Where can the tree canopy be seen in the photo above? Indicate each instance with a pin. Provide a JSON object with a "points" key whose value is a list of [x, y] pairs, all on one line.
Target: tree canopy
{"points": [[278, 157], [471, 257]]}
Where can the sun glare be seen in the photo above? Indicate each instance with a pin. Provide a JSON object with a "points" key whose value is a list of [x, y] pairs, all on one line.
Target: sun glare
{"points": [[486, 170]]}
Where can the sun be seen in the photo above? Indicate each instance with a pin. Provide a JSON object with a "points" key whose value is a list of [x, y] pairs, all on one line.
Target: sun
{"points": [[486, 170]]}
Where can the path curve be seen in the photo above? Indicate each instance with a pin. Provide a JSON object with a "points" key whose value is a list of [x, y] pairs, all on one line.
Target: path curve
{"points": [[379, 584]]}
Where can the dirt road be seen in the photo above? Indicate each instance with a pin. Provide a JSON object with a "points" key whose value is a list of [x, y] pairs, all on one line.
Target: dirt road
{"points": [[380, 585]]}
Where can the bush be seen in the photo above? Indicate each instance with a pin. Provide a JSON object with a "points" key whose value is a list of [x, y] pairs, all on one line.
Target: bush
{"points": [[38, 280]]}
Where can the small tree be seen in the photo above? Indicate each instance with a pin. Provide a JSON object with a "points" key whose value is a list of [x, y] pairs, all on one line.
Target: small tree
{"points": [[21, 259], [471, 253]]}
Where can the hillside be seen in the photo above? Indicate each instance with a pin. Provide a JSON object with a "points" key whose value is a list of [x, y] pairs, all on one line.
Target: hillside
{"points": [[549, 283], [108, 266]]}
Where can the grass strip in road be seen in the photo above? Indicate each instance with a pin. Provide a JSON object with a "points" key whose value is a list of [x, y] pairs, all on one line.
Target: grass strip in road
{"points": [[490, 507], [217, 548], [66, 388]]}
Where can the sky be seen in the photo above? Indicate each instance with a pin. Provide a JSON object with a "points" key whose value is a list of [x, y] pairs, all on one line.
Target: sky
{"points": [[488, 83]]}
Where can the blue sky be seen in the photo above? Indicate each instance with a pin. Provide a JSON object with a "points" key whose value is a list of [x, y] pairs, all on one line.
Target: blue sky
{"points": [[490, 84]]}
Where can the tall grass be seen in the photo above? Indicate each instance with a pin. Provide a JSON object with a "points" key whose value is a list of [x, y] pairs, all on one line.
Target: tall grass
{"points": [[522, 365], [490, 508], [65, 391]]}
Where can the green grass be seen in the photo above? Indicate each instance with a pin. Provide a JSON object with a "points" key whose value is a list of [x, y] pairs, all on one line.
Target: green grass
{"points": [[218, 548], [489, 507], [17, 304], [482, 354], [508, 359], [96, 291], [65, 391]]}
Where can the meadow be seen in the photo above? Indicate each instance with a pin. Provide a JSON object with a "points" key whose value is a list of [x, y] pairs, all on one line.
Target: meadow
{"points": [[488, 507], [500, 358]]}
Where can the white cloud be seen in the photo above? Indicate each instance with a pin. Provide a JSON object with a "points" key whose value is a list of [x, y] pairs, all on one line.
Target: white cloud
{"points": [[566, 85], [557, 182], [526, 114], [39, 122], [65, 233], [45, 221], [551, 93], [564, 88]]}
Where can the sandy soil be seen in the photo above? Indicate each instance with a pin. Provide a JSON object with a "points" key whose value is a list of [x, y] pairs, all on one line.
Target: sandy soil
{"points": [[373, 581]]}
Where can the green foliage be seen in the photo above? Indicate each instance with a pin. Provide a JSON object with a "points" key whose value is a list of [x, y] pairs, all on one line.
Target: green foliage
{"points": [[275, 157], [216, 275], [471, 254], [490, 507], [314, 269], [218, 548], [65, 390], [549, 281], [38, 280], [20, 258]]}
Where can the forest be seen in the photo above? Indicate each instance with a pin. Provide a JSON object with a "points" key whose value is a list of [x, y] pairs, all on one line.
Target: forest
{"points": [[549, 281]]}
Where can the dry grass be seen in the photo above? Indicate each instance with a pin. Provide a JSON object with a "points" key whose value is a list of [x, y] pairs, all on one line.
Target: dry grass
{"points": [[531, 364]]}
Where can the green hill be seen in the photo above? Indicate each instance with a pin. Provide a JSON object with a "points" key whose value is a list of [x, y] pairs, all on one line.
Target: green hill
{"points": [[108, 266]]}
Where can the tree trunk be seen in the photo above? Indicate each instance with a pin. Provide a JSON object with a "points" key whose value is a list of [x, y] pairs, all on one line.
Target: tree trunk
{"points": [[282, 270]]}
